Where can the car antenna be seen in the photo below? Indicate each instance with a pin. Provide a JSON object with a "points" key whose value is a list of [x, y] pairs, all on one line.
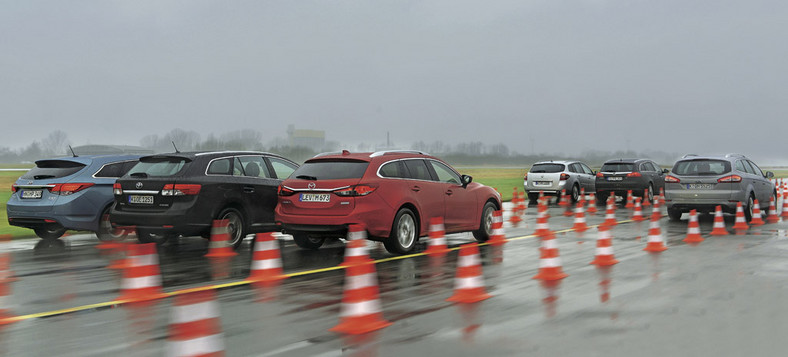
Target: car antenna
{"points": [[72, 151], [176, 148]]}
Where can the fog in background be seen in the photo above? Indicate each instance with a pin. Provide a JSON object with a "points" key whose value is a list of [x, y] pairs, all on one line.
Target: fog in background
{"points": [[562, 77]]}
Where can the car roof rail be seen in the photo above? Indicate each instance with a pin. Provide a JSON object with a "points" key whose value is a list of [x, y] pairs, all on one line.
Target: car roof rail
{"points": [[689, 155], [735, 155], [389, 152]]}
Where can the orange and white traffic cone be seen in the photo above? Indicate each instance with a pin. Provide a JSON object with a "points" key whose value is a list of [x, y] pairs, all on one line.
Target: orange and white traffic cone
{"points": [[773, 216], [604, 247], [656, 243], [629, 204], [757, 218], [610, 214], [498, 236], [195, 326], [6, 275], [693, 229], [637, 214], [437, 242], [718, 228], [356, 247], [741, 222], [646, 202], [266, 266], [784, 215], [592, 204], [580, 218], [541, 221], [549, 260], [521, 207], [515, 218], [563, 202], [219, 246], [141, 280], [119, 250], [469, 281], [360, 312]]}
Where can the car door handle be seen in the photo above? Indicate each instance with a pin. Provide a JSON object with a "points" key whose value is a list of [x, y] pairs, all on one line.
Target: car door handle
{"points": [[415, 188], [248, 189], [449, 192]]}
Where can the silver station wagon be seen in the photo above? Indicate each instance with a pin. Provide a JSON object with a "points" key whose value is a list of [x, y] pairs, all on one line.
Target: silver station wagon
{"points": [[551, 177]]}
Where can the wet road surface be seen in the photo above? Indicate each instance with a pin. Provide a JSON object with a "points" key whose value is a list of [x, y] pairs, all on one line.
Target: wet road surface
{"points": [[723, 297]]}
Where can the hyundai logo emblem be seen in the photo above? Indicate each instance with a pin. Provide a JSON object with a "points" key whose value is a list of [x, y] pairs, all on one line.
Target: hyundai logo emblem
{"points": [[138, 185], [311, 185]]}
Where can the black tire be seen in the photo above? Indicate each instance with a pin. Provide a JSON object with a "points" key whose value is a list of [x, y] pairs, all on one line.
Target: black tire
{"points": [[533, 197], [236, 228], [601, 198], [674, 214], [105, 232], [650, 197], [50, 232], [485, 225], [748, 207], [404, 233], [305, 241], [575, 193], [146, 236]]}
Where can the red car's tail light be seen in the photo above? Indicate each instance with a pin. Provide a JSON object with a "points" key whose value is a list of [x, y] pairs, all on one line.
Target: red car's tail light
{"points": [[672, 179], [357, 190], [65, 189], [599, 174], [731, 178], [634, 174], [116, 189], [180, 189], [284, 191], [564, 177], [13, 188]]}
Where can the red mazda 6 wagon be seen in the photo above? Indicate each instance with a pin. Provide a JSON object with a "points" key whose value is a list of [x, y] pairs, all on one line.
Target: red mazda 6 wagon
{"points": [[392, 193]]}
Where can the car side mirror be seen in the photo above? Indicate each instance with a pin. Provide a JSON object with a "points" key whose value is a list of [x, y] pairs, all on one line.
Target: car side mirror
{"points": [[769, 174], [664, 171], [466, 180], [593, 173]]}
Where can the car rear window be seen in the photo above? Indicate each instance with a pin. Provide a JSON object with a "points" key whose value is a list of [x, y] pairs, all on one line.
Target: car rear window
{"points": [[331, 170], [159, 167], [617, 167], [46, 169], [547, 168], [702, 167]]}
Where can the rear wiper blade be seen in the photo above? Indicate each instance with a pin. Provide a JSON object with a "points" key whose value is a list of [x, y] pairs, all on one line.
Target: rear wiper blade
{"points": [[306, 177], [41, 177], [139, 174]]}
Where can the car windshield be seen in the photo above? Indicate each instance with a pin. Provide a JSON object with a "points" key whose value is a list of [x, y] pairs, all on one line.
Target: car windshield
{"points": [[618, 167], [331, 170], [702, 167], [46, 169], [547, 168], [158, 166]]}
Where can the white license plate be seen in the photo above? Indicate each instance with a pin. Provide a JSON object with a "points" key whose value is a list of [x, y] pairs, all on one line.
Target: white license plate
{"points": [[700, 186], [615, 178], [315, 197], [543, 183], [32, 194], [145, 200]]}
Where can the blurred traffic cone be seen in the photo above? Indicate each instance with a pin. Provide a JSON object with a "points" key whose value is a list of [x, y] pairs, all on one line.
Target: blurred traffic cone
{"points": [[141, 279], [498, 236], [108, 245], [610, 214], [646, 202], [5, 304], [515, 218], [541, 221], [549, 260], [361, 312], [6, 275], [655, 241], [784, 215], [741, 222], [356, 247], [521, 207], [604, 247], [220, 240], [195, 325], [591, 204], [604, 282], [580, 218], [773, 216], [469, 281], [637, 214], [718, 228], [629, 204], [693, 229], [266, 266], [550, 300], [757, 219], [563, 202], [118, 252], [437, 237]]}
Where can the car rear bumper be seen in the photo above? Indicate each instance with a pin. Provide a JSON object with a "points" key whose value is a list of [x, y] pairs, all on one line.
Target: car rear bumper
{"points": [[620, 188], [705, 206], [168, 223], [376, 220], [68, 215]]}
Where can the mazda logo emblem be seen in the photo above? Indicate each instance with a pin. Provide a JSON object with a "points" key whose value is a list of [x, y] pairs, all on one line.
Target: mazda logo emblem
{"points": [[138, 185], [311, 185]]}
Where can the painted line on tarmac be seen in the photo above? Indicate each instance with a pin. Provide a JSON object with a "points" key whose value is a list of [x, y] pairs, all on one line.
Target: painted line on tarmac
{"points": [[116, 303]]}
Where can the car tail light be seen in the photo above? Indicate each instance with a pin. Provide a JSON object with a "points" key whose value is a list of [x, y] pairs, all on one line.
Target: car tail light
{"points": [[357, 190], [730, 178], [672, 179], [634, 174], [564, 177], [284, 191], [117, 190], [599, 174], [525, 177], [65, 189], [13, 188], [180, 189]]}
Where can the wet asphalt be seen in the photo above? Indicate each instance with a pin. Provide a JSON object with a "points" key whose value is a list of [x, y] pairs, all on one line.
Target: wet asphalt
{"points": [[723, 297]]}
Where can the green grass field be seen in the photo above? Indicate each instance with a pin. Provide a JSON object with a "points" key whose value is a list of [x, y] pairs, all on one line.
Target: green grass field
{"points": [[7, 178]]}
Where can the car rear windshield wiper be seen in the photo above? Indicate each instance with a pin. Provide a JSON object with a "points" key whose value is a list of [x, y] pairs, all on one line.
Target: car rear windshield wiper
{"points": [[306, 177], [41, 177], [139, 174]]}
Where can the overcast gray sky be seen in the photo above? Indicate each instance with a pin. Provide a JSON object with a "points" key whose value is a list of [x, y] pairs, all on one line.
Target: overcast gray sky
{"points": [[702, 76]]}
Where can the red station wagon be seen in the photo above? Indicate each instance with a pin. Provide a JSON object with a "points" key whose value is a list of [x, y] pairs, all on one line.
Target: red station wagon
{"points": [[392, 193]]}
